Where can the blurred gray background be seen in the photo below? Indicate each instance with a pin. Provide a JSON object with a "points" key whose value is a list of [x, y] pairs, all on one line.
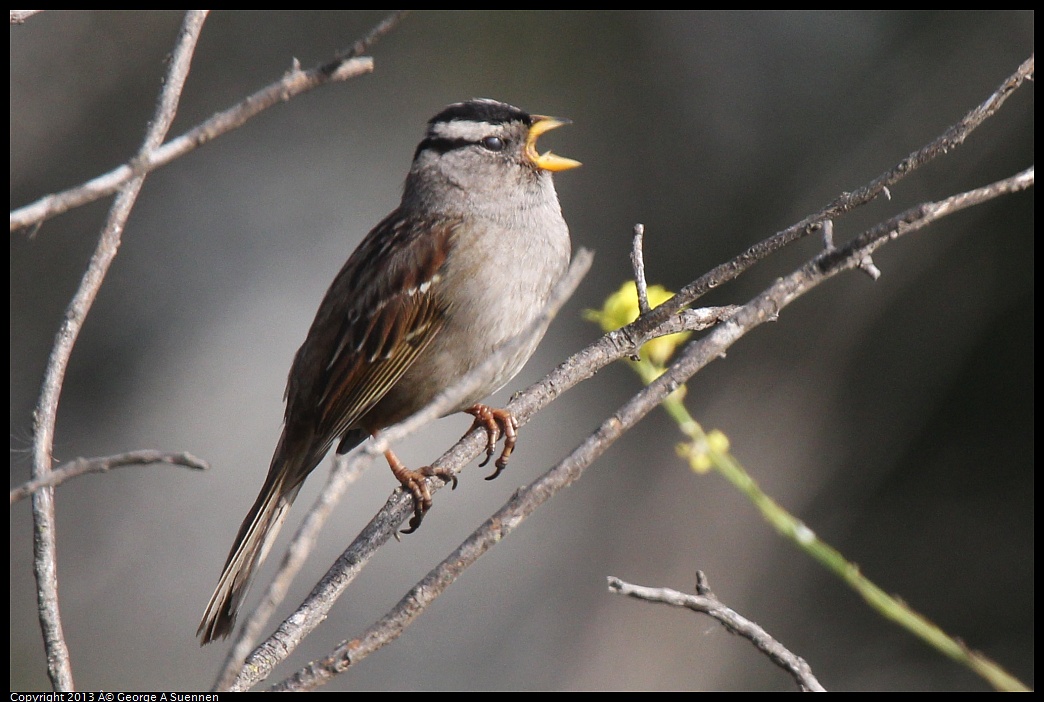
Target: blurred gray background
{"points": [[895, 417]]}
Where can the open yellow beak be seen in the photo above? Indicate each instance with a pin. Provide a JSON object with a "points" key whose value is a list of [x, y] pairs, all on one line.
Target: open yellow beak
{"points": [[547, 161]]}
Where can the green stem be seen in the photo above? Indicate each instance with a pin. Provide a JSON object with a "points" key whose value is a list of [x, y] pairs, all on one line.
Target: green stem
{"points": [[711, 450]]}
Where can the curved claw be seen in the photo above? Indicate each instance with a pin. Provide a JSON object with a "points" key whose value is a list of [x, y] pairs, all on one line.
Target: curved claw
{"points": [[416, 486], [415, 521], [447, 475], [496, 422], [415, 483], [496, 473]]}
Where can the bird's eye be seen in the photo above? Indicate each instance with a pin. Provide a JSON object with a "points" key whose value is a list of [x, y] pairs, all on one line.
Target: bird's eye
{"points": [[493, 143]]}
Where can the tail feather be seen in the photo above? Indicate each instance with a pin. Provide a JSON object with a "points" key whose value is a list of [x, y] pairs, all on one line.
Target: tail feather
{"points": [[251, 547], [296, 454]]}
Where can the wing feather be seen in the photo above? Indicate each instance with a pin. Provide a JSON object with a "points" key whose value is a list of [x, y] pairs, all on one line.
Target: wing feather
{"points": [[381, 311]]}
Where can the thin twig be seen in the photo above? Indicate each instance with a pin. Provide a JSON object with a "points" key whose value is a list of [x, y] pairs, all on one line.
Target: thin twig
{"points": [[296, 81], [638, 264], [945, 142], [363, 45], [734, 622], [918, 217], [293, 83], [45, 563], [765, 307], [83, 466], [20, 16]]}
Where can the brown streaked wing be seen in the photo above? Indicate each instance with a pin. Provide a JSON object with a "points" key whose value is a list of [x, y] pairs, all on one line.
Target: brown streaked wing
{"points": [[384, 309]]}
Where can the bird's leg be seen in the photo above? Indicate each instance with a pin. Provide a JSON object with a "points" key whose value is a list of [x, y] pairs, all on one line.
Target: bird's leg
{"points": [[415, 482], [495, 422]]}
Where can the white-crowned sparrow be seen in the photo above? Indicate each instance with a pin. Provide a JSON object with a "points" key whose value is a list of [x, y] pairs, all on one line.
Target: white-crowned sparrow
{"points": [[462, 266]]}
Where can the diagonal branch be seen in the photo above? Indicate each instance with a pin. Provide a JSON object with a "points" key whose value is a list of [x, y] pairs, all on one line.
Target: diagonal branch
{"points": [[846, 202], [346, 65]]}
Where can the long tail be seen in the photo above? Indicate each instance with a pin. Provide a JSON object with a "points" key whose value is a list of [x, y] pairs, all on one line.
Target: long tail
{"points": [[252, 544]]}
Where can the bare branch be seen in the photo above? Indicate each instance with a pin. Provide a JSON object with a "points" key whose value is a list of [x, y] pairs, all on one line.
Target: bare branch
{"points": [[20, 16], [706, 603], [916, 218], [363, 45], [44, 562], [83, 466], [951, 138], [347, 65], [638, 263]]}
